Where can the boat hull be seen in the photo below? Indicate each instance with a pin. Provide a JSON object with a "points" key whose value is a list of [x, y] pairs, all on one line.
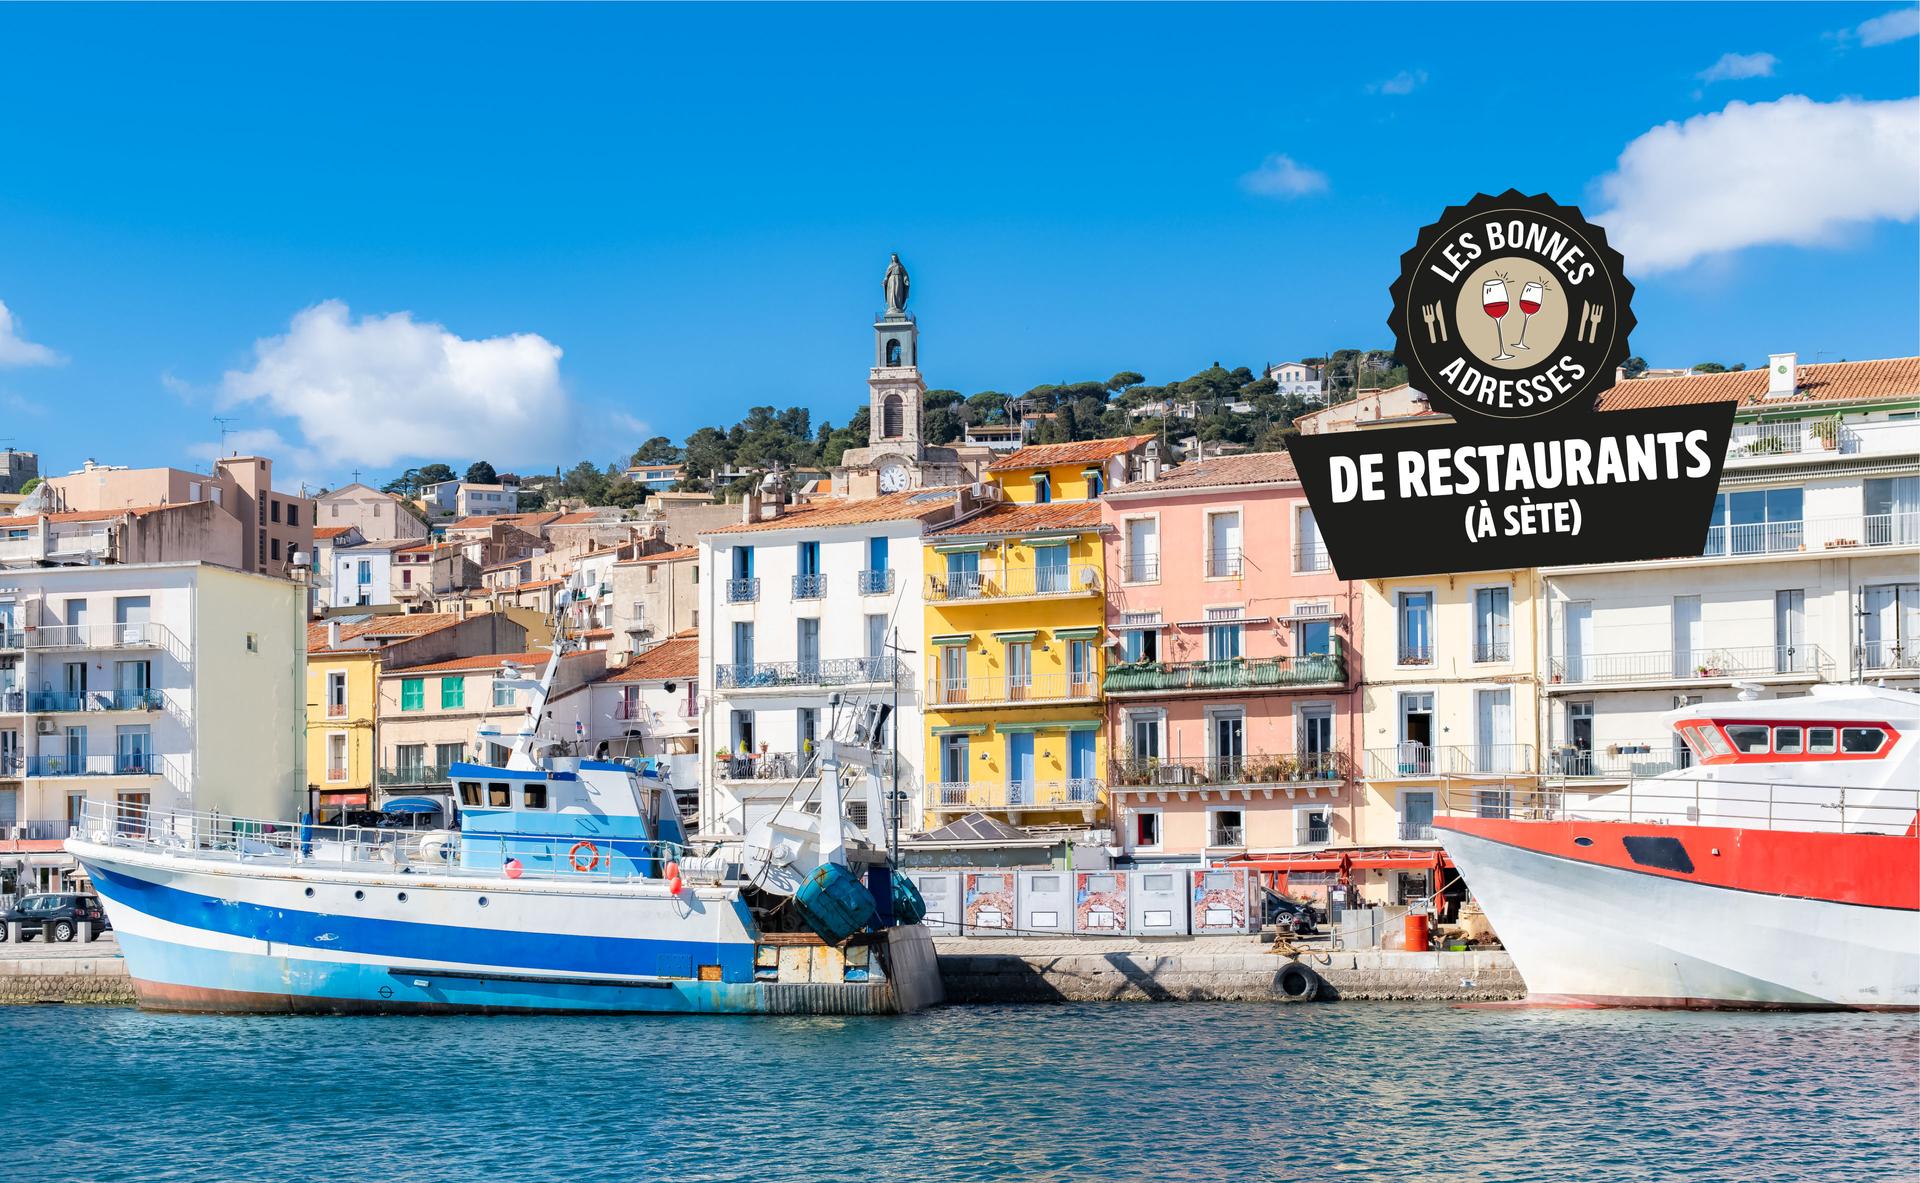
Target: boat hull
{"points": [[211, 936], [1584, 930]]}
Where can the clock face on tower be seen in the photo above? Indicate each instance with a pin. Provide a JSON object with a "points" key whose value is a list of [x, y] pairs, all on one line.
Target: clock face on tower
{"points": [[893, 478]]}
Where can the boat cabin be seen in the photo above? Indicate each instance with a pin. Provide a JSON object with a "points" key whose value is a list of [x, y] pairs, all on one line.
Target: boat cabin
{"points": [[573, 816]]}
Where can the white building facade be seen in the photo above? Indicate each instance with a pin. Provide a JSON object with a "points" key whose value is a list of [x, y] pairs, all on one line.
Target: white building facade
{"points": [[143, 689], [1811, 573], [362, 575], [803, 604]]}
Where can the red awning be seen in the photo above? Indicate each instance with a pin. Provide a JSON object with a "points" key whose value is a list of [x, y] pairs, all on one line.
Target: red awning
{"points": [[1381, 859]]}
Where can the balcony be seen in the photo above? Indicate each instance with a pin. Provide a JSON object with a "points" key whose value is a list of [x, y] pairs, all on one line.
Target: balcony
{"points": [[1891, 655], [1812, 535], [1309, 559], [1825, 436], [1237, 674], [1189, 772], [100, 636], [1420, 653], [1018, 583], [1488, 651], [1225, 563], [1416, 831], [12, 638], [55, 702], [13, 700], [125, 764], [336, 710], [413, 775], [876, 583], [961, 796], [772, 675], [1140, 568], [1233, 837], [1406, 761], [1792, 663], [809, 587], [1489, 759], [1005, 691], [763, 765], [743, 591], [1626, 759]]}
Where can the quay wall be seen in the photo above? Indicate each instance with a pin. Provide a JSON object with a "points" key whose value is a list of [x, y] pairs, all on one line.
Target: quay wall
{"points": [[1009, 970], [99, 980]]}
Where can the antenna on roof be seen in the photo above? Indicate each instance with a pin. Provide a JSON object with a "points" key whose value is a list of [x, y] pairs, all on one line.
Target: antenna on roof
{"points": [[225, 431]]}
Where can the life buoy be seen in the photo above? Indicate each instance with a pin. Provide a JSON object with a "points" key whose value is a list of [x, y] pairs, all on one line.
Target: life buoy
{"points": [[593, 852], [1298, 983]]}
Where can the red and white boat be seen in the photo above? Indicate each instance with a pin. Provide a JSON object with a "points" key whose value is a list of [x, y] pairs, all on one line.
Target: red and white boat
{"points": [[1780, 870]]}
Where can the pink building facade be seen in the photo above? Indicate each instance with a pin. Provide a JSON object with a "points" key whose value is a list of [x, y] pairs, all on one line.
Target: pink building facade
{"points": [[1232, 678]]}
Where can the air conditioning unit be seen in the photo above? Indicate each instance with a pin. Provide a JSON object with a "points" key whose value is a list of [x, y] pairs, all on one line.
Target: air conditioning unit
{"points": [[45, 727]]}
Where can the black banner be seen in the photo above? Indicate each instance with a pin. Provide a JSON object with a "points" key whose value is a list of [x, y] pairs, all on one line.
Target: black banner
{"points": [[1626, 485]]}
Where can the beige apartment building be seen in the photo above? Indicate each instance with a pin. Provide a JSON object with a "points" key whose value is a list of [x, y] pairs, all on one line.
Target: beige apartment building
{"points": [[378, 516], [653, 597], [274, 526]]}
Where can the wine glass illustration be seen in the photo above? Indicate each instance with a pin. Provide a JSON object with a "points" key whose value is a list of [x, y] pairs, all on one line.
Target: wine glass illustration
{"points": [[1529, 304], [1493, 301]]}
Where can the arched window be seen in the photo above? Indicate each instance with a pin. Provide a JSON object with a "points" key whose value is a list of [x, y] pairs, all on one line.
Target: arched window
{"points": [[893, 417], [893, 351]]}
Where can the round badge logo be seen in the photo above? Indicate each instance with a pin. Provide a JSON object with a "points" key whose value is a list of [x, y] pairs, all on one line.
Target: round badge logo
{"points": [[1512, 307]]}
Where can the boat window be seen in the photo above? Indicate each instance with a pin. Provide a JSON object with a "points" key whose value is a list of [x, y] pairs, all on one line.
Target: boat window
{"points": [[499, 796], [1861, 739], [469, 792], [1712, 743], [1820, 740], [534, 796], [1749, 738], [1786, 740]]}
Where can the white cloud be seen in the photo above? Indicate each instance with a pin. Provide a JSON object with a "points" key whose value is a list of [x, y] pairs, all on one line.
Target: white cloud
{"points": [[1897, 25], [640, 429], [1405, 82], [16, 350], [382, 388], [1733, 66], [1282, 176], [1790, 171]]}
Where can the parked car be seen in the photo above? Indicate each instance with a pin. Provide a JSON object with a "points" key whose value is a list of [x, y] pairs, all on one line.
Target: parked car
{"points": [[1289, 914], [54, 916]]}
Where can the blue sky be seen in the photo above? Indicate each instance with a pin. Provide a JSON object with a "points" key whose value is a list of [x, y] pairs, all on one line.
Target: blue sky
{"points": [[605, 221]]}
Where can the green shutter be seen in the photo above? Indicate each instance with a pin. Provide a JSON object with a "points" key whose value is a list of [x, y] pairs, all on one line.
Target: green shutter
{"points": [[453, 692], [413, 694]]}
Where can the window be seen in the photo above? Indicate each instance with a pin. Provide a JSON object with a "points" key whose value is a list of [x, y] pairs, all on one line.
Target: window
{"points": [[876, 636], [1080, 667], [1143, 550], [293, 513], [336, 694], [1787, 741], [1223, 545], [1313, 638], [963, 575], [1492, 624], [499, 796], [1789, 630], [1821, 741], [893, 411], [1143, 736], [1051, 574], [1756, 521], [1890, 626], [1415, 612], [534, 796], [1226, 827], [276, 511], [336, 756], [505, 695], [1094, 482], [954, 753], [1042, 488], [413, 694], [1223, 642], [1861, 739], [453, 692], [1748, 738], [410, 759], [1146, 829], [1893, 510], [446, 755], [1309, 552], [807, 727], [469, 792], [1138, 641], [275, 549], [1019, 656]]}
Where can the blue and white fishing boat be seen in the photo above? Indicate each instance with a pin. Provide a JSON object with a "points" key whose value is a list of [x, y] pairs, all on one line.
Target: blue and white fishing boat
{"points": [[569, 886]]}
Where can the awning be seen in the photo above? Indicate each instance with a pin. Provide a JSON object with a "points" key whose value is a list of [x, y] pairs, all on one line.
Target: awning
{"points": [[1017, 635], [952, 638], [1077, 634], [412, 805]]}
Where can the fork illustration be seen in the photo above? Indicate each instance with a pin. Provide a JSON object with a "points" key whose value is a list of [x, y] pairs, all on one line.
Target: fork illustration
{"points": [[1594, 336], [1426, 310]]}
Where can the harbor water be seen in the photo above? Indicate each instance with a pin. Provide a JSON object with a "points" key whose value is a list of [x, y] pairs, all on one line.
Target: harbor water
{"points": [[1084, 1092]]}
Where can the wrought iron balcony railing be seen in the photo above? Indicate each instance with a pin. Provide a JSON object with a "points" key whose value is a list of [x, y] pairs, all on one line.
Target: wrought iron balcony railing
{"points": [[123, 764], [1667, 665], [1891, 655], [1067, 580], [52, 701], [1485, 759], [1288, 768], [144, 635], [1619, 760], [1813, 534], [876, 583], [1140, 568], [1308, 559], [839, 671], [1404, 760], [1416, 831], [985, 691], [1240, 673], [809, 587], [1046, 794], [12, 638], [743, 591], [1224, 563]]}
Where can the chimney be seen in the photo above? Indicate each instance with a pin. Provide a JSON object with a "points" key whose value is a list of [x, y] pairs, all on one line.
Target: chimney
{"points": [[333, 634], [1783, 375]]}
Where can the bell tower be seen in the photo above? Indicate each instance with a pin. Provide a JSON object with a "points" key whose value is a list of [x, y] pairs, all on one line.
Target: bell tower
{"points": [[896, 392]]}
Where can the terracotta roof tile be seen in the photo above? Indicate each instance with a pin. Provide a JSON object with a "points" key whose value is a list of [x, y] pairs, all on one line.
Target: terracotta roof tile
{"points": [[522, 521], [1820, 382], [535, 585], [676, 657], [1253, 468], [1011, 518], [98, 515], [481, 661], [384, 629], [894, 507], [580, 517], [322, 533], [678, 554], [1079, 452]]}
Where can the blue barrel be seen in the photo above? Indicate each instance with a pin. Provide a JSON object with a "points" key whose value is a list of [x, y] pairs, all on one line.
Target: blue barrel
{"points": [[834, 904], [908, 906]]}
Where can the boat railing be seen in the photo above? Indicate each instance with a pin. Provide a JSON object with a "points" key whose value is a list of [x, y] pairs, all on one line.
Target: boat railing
{"points": [[221, 836], [1735, 804]]}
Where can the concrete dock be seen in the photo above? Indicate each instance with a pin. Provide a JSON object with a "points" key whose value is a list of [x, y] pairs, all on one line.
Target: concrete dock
{"points": [[987, 970]]}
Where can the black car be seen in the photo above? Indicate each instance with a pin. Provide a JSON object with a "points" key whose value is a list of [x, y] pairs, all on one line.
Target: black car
{"points": [[56, 916], [1290, 915]]}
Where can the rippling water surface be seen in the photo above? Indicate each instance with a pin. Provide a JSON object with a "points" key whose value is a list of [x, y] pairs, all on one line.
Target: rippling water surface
{"points": [[1117, 1092]]}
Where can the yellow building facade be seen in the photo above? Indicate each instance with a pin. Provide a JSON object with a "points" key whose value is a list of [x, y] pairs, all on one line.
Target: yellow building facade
{"points": [[1014, 642], [340, 719]]}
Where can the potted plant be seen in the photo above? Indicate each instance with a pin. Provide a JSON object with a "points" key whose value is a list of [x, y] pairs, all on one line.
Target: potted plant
{"points": [[1827, 431]]}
